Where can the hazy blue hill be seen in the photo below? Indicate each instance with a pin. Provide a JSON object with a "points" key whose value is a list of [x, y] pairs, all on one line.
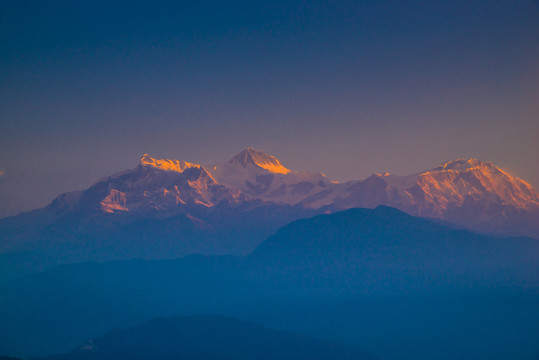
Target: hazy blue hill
{"points": [[206, 337], [385, 249], [367, 278], [37, 240]]}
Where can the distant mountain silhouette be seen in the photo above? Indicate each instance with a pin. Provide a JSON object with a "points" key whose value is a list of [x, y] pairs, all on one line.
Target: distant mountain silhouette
{"points": [[206, 338], [387, 249]]}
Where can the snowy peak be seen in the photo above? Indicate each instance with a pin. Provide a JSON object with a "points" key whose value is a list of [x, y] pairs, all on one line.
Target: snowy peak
{"points": [[463, 165], [157, 184], [263, 177], [460, 180], [177, 166], [260, 159], [166, 164]]}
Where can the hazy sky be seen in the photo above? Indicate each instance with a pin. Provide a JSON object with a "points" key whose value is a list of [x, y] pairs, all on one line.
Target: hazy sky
{"points": [[347, 88]]}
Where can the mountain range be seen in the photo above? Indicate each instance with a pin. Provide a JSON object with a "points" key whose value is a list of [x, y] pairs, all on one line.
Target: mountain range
{"points": [[167, 208], [469, 192]]}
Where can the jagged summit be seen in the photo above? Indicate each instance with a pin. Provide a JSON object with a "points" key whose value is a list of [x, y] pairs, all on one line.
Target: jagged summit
{"points": [[250, 156], [166, 164], [462, 181], [463, 165]]}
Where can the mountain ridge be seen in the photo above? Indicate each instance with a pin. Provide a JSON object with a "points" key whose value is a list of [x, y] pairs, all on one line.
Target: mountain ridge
{"points": [[165, 208], [266, 179]]}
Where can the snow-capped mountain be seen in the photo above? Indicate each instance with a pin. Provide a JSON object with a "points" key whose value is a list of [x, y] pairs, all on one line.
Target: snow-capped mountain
{"points": [[468, 192], [460, 183], [165, 208], [453, 184], [155, 184], [263, 177]]}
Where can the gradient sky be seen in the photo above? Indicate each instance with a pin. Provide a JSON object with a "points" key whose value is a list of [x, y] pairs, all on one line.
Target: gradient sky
{"points": [[347, 88]]}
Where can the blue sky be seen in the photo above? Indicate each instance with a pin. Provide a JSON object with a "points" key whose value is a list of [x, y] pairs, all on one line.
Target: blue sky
{"points": [[346, 88]]}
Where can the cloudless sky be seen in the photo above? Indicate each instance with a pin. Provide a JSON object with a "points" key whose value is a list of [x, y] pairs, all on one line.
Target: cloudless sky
{"points": [[347, 88]]}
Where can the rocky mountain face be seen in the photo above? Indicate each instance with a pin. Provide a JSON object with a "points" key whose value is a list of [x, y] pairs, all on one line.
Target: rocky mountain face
{"points": [[154, 185], [471, 193]]}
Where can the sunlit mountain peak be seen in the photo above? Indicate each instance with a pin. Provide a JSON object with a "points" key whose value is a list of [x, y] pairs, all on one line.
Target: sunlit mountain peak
{"points": [[166, 164], [250, 156], [460, 181], [463, 164]]}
